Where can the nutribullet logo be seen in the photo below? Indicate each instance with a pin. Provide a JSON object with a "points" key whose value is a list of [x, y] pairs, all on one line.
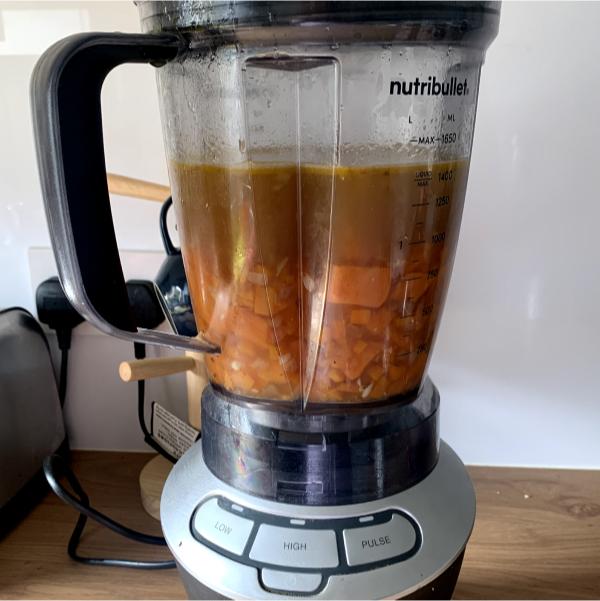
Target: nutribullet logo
{"points": [[431, 87]]}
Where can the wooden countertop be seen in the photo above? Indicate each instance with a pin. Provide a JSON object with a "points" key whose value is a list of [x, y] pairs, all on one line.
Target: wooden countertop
{"points": [[537, 536]]}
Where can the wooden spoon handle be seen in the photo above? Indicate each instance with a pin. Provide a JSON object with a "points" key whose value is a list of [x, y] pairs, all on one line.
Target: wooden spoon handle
{"points": [[137, 188], [143, 369]]}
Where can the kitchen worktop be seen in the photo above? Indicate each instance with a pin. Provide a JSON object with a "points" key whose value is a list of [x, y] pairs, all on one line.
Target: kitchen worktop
{"points": [[537, 536]]}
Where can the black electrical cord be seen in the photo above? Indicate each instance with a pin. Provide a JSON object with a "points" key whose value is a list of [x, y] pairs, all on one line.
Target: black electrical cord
{"points": [[54, 467], [140, 353], [62, 380], [63, 336]]}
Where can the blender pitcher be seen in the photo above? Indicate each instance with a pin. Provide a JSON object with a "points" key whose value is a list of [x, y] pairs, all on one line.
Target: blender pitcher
{"points": [[318, 155]]}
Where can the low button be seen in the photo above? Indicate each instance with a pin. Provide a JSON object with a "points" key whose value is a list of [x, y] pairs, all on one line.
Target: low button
{"points": [[292, 582], [295, 547], [224, 529], [376, 543]]}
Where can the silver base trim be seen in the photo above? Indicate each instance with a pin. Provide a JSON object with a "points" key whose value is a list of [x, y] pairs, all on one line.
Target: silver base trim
{"points": [[442, 504]]}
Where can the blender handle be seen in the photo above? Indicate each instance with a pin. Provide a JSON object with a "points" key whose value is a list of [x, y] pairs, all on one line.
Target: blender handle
{"points": [[65, 93]]}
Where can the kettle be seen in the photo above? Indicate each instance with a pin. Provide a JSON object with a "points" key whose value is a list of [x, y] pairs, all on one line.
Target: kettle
{"points": [[171, 284]]}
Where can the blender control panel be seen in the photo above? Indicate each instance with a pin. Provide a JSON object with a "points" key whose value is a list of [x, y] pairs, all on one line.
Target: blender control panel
{"points": [[298, 555]]}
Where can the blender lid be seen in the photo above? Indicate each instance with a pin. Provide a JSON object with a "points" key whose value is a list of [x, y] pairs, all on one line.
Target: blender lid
{"points": [[164, 15]]}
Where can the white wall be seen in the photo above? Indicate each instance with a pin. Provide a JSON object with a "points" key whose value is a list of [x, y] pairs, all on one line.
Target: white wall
{"points": [[517, 355]]}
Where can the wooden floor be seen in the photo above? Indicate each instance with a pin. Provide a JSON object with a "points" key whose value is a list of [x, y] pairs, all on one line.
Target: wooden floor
{"points": [[537, 536]]}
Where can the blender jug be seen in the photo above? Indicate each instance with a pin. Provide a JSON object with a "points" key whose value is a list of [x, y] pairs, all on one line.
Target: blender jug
{"points": [[318, 157]]}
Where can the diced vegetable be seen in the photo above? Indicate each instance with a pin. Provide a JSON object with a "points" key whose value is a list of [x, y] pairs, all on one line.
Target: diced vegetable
{"points": [[261, 302], [362, 286], [360, 317], [357, 363], [258, 273], [335, 375]]}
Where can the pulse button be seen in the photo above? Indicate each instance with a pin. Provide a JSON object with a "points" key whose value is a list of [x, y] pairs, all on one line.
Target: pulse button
{"points": [[370, 544]]}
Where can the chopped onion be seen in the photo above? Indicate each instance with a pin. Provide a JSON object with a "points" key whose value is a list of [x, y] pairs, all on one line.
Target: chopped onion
{"points": [[366, 391], [308, 282], [281, 265], [256, 278], [259, 364]]}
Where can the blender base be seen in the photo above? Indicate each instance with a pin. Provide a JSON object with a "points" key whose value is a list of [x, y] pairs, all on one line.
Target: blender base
{"points": [[229, 544]]}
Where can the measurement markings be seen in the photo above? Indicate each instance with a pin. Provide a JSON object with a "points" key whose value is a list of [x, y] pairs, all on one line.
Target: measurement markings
{"points": [[415, 277], [445, 139]]}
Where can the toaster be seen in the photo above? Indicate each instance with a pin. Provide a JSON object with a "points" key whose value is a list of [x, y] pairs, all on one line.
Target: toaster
{"points": [[31, 418]]}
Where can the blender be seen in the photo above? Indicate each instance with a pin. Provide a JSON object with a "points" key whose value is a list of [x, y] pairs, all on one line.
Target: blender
{"points": [[318, 156]]}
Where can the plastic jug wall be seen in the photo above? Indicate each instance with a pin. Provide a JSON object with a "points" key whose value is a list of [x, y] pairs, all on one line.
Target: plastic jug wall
{"points": [[319, 189]]}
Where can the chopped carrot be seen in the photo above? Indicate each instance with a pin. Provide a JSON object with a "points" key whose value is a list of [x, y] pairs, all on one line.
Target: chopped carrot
{"points": [[335, 375], [241, 380], [379, 321], [359, 347], [252, 327], [276, 375], [244, 348], [401, 344], [375, 372], [261, 303], [245, 296], [358, 362], [416, 288], [276, 304], [290, 327], [397, 372], [399, 291], [362, 286], [360, 317], [338, 330], [380, 389], [405, 324]]}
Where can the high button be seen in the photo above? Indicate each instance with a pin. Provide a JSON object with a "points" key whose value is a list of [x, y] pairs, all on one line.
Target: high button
{"points": [[295, 547]]}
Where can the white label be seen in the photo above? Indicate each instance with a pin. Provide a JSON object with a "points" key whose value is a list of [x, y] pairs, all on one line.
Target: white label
{"points": [[173, 434]]}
